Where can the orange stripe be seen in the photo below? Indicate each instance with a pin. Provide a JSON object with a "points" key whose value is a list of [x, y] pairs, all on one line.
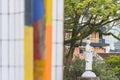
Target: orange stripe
{"points": [[48, 16], [48, 52]]}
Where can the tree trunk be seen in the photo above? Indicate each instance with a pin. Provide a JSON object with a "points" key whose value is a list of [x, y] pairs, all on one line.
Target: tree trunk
{"points": [[68, 59]]}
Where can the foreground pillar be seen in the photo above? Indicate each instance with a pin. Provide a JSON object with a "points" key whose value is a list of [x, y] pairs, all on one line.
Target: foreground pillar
{"points": [[57, 40]]}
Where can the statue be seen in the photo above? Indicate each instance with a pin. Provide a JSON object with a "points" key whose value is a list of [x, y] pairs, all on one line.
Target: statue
{"points": [[89, 60], [88, 56]]}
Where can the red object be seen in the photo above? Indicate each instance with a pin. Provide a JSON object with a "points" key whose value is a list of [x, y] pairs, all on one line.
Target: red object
{"points": [[37, 52]]}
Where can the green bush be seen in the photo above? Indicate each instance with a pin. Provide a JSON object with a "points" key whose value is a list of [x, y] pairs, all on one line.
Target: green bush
{"points": [[104, 72], [75, 70], [101, 69], [114, 64]]}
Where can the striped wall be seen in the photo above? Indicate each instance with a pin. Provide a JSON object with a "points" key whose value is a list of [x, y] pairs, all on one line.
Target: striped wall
{"points": [[11, 39]]}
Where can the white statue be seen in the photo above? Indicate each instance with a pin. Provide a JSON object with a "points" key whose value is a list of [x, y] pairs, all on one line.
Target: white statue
{"points": [[89, 60], [88, 56]]}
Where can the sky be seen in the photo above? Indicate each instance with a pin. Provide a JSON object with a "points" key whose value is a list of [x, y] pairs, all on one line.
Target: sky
{"points": [[110, 39]]}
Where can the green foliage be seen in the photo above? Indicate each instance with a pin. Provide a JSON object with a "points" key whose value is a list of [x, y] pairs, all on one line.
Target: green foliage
{"points": [[77, 66], [98, 13], [101, 69], [104, 72], [76, 69], [114, 64], [100, 8]]}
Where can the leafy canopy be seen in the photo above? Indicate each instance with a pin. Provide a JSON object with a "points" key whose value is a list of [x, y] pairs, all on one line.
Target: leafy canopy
{"points": [[87, 16]]}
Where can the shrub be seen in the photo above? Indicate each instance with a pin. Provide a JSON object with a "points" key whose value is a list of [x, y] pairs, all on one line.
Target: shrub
{"points": [[100, 68]]}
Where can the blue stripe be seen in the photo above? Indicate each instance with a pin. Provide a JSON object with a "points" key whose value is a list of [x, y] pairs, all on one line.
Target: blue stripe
{"points": [[28, 12], [38, 10]]}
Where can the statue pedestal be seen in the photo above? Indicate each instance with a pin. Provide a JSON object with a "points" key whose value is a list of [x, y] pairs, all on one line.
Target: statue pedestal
{"points": [[90, 78], [88, 74]]}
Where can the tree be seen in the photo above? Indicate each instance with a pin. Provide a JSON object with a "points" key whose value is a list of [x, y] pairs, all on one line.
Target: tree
{"points": [[87, 16]]}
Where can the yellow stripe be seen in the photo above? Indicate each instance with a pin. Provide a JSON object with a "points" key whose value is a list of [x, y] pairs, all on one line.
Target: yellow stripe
{"points": [[48, 12], [28, 56]]}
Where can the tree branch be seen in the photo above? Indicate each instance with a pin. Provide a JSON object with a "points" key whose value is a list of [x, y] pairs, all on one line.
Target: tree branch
{"points": [[110, 21], [111, 34]]}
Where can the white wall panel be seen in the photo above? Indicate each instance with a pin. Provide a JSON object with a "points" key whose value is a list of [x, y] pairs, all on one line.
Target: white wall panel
{"points": [[54, 29], [60, 32], [5, 53], [57, 40], [0, 25], [4, 27], [54, 53], [59, 54], [22, 5], [17, 73], [54, 73], [22, 73], [5, 73], [0, 6], [0, 53], [21, 49], [17, 26], [59, 73], [11, 39], [11, 27], [11, 6], [17, 53], [11, 53], [11, 73], [0, 73], [60, 9], [17, 6], [54, 7], [4, 6], [21, 26]]}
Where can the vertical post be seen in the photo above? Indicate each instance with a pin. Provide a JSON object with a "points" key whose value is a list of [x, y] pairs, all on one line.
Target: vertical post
{"points": [[57, 40]]}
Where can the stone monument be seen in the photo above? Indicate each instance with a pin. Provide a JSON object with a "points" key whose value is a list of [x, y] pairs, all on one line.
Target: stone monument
{"points": [[88, 74]]}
